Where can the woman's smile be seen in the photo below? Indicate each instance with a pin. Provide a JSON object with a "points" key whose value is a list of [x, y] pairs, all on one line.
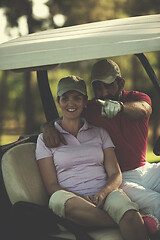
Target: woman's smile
{"points": [[71, 109]]}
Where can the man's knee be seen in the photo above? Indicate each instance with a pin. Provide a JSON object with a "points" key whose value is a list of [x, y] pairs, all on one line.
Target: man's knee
{"points": [[129, 216]]}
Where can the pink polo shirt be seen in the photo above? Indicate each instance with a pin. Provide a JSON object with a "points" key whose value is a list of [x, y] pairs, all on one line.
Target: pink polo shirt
{"points": [[79, 165]]}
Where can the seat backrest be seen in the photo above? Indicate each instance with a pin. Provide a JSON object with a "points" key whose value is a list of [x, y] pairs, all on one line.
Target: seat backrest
{"points": [[23, 182], [21, 175]]}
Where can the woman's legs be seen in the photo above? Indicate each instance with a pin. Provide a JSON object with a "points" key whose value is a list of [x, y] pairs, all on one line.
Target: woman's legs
{"points": [[87, 214], [125, 214]]}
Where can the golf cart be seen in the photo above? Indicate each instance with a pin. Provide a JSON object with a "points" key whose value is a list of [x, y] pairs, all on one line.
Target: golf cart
{"points": [[23, 198]]}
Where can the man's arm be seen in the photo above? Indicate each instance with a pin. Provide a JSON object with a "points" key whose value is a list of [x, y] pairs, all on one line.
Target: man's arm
{"points": [[137, 110], [51, 136], [134, 109]]}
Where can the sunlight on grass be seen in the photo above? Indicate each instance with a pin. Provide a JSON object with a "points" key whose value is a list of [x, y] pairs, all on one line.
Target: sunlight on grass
{"points": [[6, 139], [151, 157]]}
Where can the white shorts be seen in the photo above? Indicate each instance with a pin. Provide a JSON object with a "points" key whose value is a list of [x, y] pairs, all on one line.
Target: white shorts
{"points": [[116, 203], [142, 185]]}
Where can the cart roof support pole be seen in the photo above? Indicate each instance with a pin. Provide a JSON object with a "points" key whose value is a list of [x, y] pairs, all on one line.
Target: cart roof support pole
{"points": [[149, 71], [48, 103]]}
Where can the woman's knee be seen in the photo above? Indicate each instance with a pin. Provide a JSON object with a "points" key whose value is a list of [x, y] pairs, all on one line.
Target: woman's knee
{"points": [[58, 200], [117, 204], [70, 207]]}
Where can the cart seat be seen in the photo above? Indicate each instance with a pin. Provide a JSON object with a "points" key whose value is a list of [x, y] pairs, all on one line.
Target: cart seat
{"points": [[23, 183]]}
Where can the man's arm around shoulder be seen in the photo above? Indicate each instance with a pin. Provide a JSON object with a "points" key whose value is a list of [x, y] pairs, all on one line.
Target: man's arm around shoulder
{"points": [[51, 136]]}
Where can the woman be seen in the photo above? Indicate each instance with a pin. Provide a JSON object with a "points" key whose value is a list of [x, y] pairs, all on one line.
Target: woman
{"points": [[83, 177]]}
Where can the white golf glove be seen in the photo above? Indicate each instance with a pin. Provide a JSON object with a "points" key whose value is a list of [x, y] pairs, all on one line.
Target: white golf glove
{"points": [[110, 108]]}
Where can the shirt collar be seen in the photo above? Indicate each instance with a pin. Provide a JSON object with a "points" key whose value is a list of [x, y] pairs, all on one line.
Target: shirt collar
{"points": [[85, 126]]}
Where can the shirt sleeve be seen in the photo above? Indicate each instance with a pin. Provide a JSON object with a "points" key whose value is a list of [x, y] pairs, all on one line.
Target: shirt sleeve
{"points": [[41, 150], [139, 96], [106, 140]]}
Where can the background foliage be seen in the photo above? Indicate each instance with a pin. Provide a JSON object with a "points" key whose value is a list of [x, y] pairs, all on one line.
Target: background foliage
{"points": [[21, 109]]}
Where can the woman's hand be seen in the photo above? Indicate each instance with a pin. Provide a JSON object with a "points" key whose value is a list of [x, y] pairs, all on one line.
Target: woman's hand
{"points": [[99, 198], [51, 136], [114, 177], [89, 198]]}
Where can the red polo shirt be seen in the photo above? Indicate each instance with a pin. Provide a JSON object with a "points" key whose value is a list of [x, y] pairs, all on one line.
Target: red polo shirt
{"points": [[128, 135]]}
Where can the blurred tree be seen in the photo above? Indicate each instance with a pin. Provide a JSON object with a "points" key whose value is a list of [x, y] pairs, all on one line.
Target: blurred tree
{"points": [[16, 9], [143, 7], [156, 119], [79, 12], [139, 8], [13, 11], [3, 100]]}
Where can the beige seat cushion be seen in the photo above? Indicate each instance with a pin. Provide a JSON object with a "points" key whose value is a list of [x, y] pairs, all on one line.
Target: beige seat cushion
{"points": [[21, 175], [103, 234], [106, 234], [23, 183]]}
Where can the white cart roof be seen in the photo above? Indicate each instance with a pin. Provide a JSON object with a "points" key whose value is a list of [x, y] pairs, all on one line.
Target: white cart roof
{"points": [[82, 42]]}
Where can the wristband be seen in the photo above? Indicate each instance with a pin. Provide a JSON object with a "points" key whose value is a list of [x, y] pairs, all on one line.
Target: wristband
{"points": [[122, 107]]}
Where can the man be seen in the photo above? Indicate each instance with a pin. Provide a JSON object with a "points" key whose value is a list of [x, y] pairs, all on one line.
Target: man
{"points": [[125, 115]]}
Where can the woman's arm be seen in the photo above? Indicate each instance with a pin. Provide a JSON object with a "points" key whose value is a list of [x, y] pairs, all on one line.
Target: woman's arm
{"points": [[48, 173], [114, 176]]}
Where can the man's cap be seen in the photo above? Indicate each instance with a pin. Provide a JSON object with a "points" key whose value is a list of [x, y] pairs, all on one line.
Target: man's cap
{"points": [[105, 71], [71, 83]]}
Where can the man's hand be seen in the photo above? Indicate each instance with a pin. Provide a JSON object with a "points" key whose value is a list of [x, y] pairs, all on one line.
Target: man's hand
{"points": [[110, 108], [51, 136]]}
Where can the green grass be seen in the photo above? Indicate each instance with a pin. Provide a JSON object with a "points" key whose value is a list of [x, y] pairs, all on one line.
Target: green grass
{"points": [[151, 157], [6, 139]]}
